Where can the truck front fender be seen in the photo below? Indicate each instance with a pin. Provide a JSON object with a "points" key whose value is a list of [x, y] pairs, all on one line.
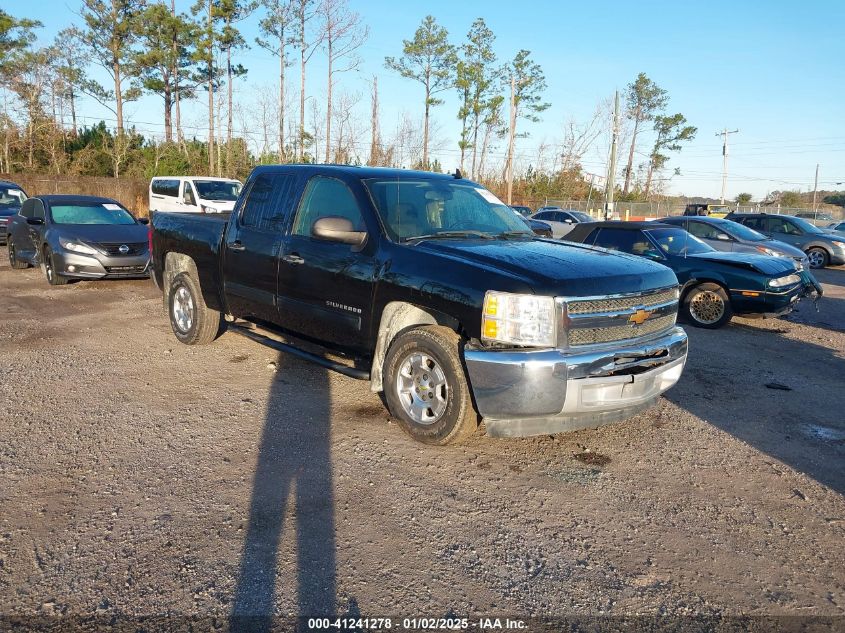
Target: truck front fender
{"points": [[397, 317]]}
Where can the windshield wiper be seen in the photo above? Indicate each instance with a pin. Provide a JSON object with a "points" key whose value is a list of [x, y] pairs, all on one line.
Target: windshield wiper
{"points": [[508, 234], [449, 234]]}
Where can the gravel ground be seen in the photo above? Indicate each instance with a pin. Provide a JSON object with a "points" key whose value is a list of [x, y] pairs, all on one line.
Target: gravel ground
{"points": [[142, 477]]}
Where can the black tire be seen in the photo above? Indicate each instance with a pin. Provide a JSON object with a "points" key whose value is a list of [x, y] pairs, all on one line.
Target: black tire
{"points": [[819, 258], [192, 321], [14, 262], [456, 419], [49, 266], [707, 306]]}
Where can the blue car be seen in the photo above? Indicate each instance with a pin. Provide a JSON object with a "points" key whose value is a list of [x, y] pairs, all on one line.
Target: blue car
{"points": [[11, 199], [714, 285]]}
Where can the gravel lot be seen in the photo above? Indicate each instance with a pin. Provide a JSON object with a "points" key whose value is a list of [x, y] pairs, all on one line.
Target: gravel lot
{"points": [[142, 477]]}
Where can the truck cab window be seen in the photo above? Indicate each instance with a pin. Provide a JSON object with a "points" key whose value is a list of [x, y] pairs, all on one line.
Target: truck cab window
{"points": [[28, 206], [325, 197], [268, 201]]}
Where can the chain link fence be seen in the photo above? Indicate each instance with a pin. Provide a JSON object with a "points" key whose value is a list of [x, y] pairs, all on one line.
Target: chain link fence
{"points": [[133, 193], [643, 210]]}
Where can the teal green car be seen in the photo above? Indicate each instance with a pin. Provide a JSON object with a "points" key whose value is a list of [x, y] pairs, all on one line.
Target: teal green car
{"points": [[715, 285]]}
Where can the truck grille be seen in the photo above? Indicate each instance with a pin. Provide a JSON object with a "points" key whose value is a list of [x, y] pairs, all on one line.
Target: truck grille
{"points": [[113, 248], [601, 320]]}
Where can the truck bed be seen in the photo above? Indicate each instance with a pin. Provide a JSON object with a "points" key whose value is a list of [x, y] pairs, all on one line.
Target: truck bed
{"points": [[197, 235]]}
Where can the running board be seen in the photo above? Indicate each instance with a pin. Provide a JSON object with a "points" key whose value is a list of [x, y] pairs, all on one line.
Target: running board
{"points": [[340, 368]]}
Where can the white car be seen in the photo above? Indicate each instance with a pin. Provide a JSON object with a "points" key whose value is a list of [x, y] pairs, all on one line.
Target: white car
{"points": [[561, 221], [193, 194]]}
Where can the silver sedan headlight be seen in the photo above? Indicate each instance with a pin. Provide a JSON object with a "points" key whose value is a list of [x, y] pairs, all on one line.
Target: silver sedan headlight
{"points": [[76, 247]]}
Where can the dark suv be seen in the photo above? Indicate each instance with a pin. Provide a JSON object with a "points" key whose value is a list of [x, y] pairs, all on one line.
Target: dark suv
{"points": [[822, 248], [11, 199]]}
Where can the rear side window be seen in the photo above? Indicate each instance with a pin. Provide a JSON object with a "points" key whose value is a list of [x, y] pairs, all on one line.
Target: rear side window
{"points": [[634, 242], [269, 200], [543, 215], [166, 188], [754, 223], [326, 197]]}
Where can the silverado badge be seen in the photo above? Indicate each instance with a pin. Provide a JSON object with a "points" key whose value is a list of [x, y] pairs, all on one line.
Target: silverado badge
{"points": [[639, 317]]}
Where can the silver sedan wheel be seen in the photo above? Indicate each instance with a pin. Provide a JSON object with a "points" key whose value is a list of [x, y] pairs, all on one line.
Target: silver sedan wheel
{"points": [[707, 307], [422, 388], [816, 258], [183, 309]]}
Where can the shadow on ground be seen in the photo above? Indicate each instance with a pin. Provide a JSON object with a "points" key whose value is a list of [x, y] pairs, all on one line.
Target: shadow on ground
{"points": [[291, 495]]}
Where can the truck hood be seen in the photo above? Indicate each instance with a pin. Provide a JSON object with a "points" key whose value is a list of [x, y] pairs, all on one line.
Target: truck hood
{"points": [[104, 232], [773, 266], [557, 268]]}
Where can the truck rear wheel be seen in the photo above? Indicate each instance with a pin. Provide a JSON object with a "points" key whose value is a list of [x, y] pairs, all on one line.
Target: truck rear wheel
{"points": [[192, 321], [425, 386]]}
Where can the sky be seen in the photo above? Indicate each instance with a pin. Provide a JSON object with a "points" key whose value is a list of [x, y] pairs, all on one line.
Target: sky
{"points": [[773, 70]]}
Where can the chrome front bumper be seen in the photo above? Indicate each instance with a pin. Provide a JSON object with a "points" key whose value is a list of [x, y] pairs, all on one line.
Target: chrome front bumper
{"points": [[535, 392]]}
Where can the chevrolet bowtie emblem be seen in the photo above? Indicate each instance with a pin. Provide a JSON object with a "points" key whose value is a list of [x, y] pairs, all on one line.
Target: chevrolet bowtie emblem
{"points": [[639, 317]]}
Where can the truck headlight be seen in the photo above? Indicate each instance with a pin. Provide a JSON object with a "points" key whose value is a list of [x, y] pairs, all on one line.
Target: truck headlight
{"points": [[76, 247], [782, 282], [518, 319]]}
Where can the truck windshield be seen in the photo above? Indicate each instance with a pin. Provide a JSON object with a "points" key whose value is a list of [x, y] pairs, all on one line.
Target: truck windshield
{"points": [[217, 190], [419, 207], [95, 213]]}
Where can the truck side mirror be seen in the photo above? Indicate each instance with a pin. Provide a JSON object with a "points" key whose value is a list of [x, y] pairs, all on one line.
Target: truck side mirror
{"points": [[333, 228]]}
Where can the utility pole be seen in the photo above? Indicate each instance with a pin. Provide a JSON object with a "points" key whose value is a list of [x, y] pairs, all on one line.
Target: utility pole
{"points": [[724, 134], [815, 188], [611, 168]]}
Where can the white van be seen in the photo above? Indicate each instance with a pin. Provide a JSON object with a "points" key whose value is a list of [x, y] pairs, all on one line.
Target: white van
{"points": [[193, 194]]}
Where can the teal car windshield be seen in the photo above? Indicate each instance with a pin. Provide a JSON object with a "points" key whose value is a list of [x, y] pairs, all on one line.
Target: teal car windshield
{"points": [[678, 242], [415, 207], [98, 213]]}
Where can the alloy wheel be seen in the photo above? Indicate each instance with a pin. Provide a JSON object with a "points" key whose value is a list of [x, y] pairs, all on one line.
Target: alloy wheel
{"points": [[422, 388], [183, 309], [707, 307]]}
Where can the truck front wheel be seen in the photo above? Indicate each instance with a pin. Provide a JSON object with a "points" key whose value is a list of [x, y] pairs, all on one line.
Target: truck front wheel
{"points": [[425, 386], [193, 322]]}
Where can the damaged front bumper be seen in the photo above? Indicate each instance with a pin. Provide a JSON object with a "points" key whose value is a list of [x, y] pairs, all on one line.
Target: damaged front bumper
{"points": [[533, 392]]}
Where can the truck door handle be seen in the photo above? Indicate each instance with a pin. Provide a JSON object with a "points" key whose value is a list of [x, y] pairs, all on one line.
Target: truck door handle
{"points": [[293, 258], [237, 246]]}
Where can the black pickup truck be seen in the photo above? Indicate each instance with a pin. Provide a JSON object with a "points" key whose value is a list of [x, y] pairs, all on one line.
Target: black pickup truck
{"points": [[434, 291]]}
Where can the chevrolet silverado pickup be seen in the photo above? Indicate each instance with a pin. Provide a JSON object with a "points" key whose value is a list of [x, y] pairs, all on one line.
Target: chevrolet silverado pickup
{"points": [[430, 288]]}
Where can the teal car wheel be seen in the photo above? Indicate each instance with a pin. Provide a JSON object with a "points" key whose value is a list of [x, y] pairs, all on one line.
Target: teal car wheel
{"points": [[707, 306]]}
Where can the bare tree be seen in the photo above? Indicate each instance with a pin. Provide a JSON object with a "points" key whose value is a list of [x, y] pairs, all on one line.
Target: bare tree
{"points": [[578, 138], [278, 24], [342, 34], [304, 11]]}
